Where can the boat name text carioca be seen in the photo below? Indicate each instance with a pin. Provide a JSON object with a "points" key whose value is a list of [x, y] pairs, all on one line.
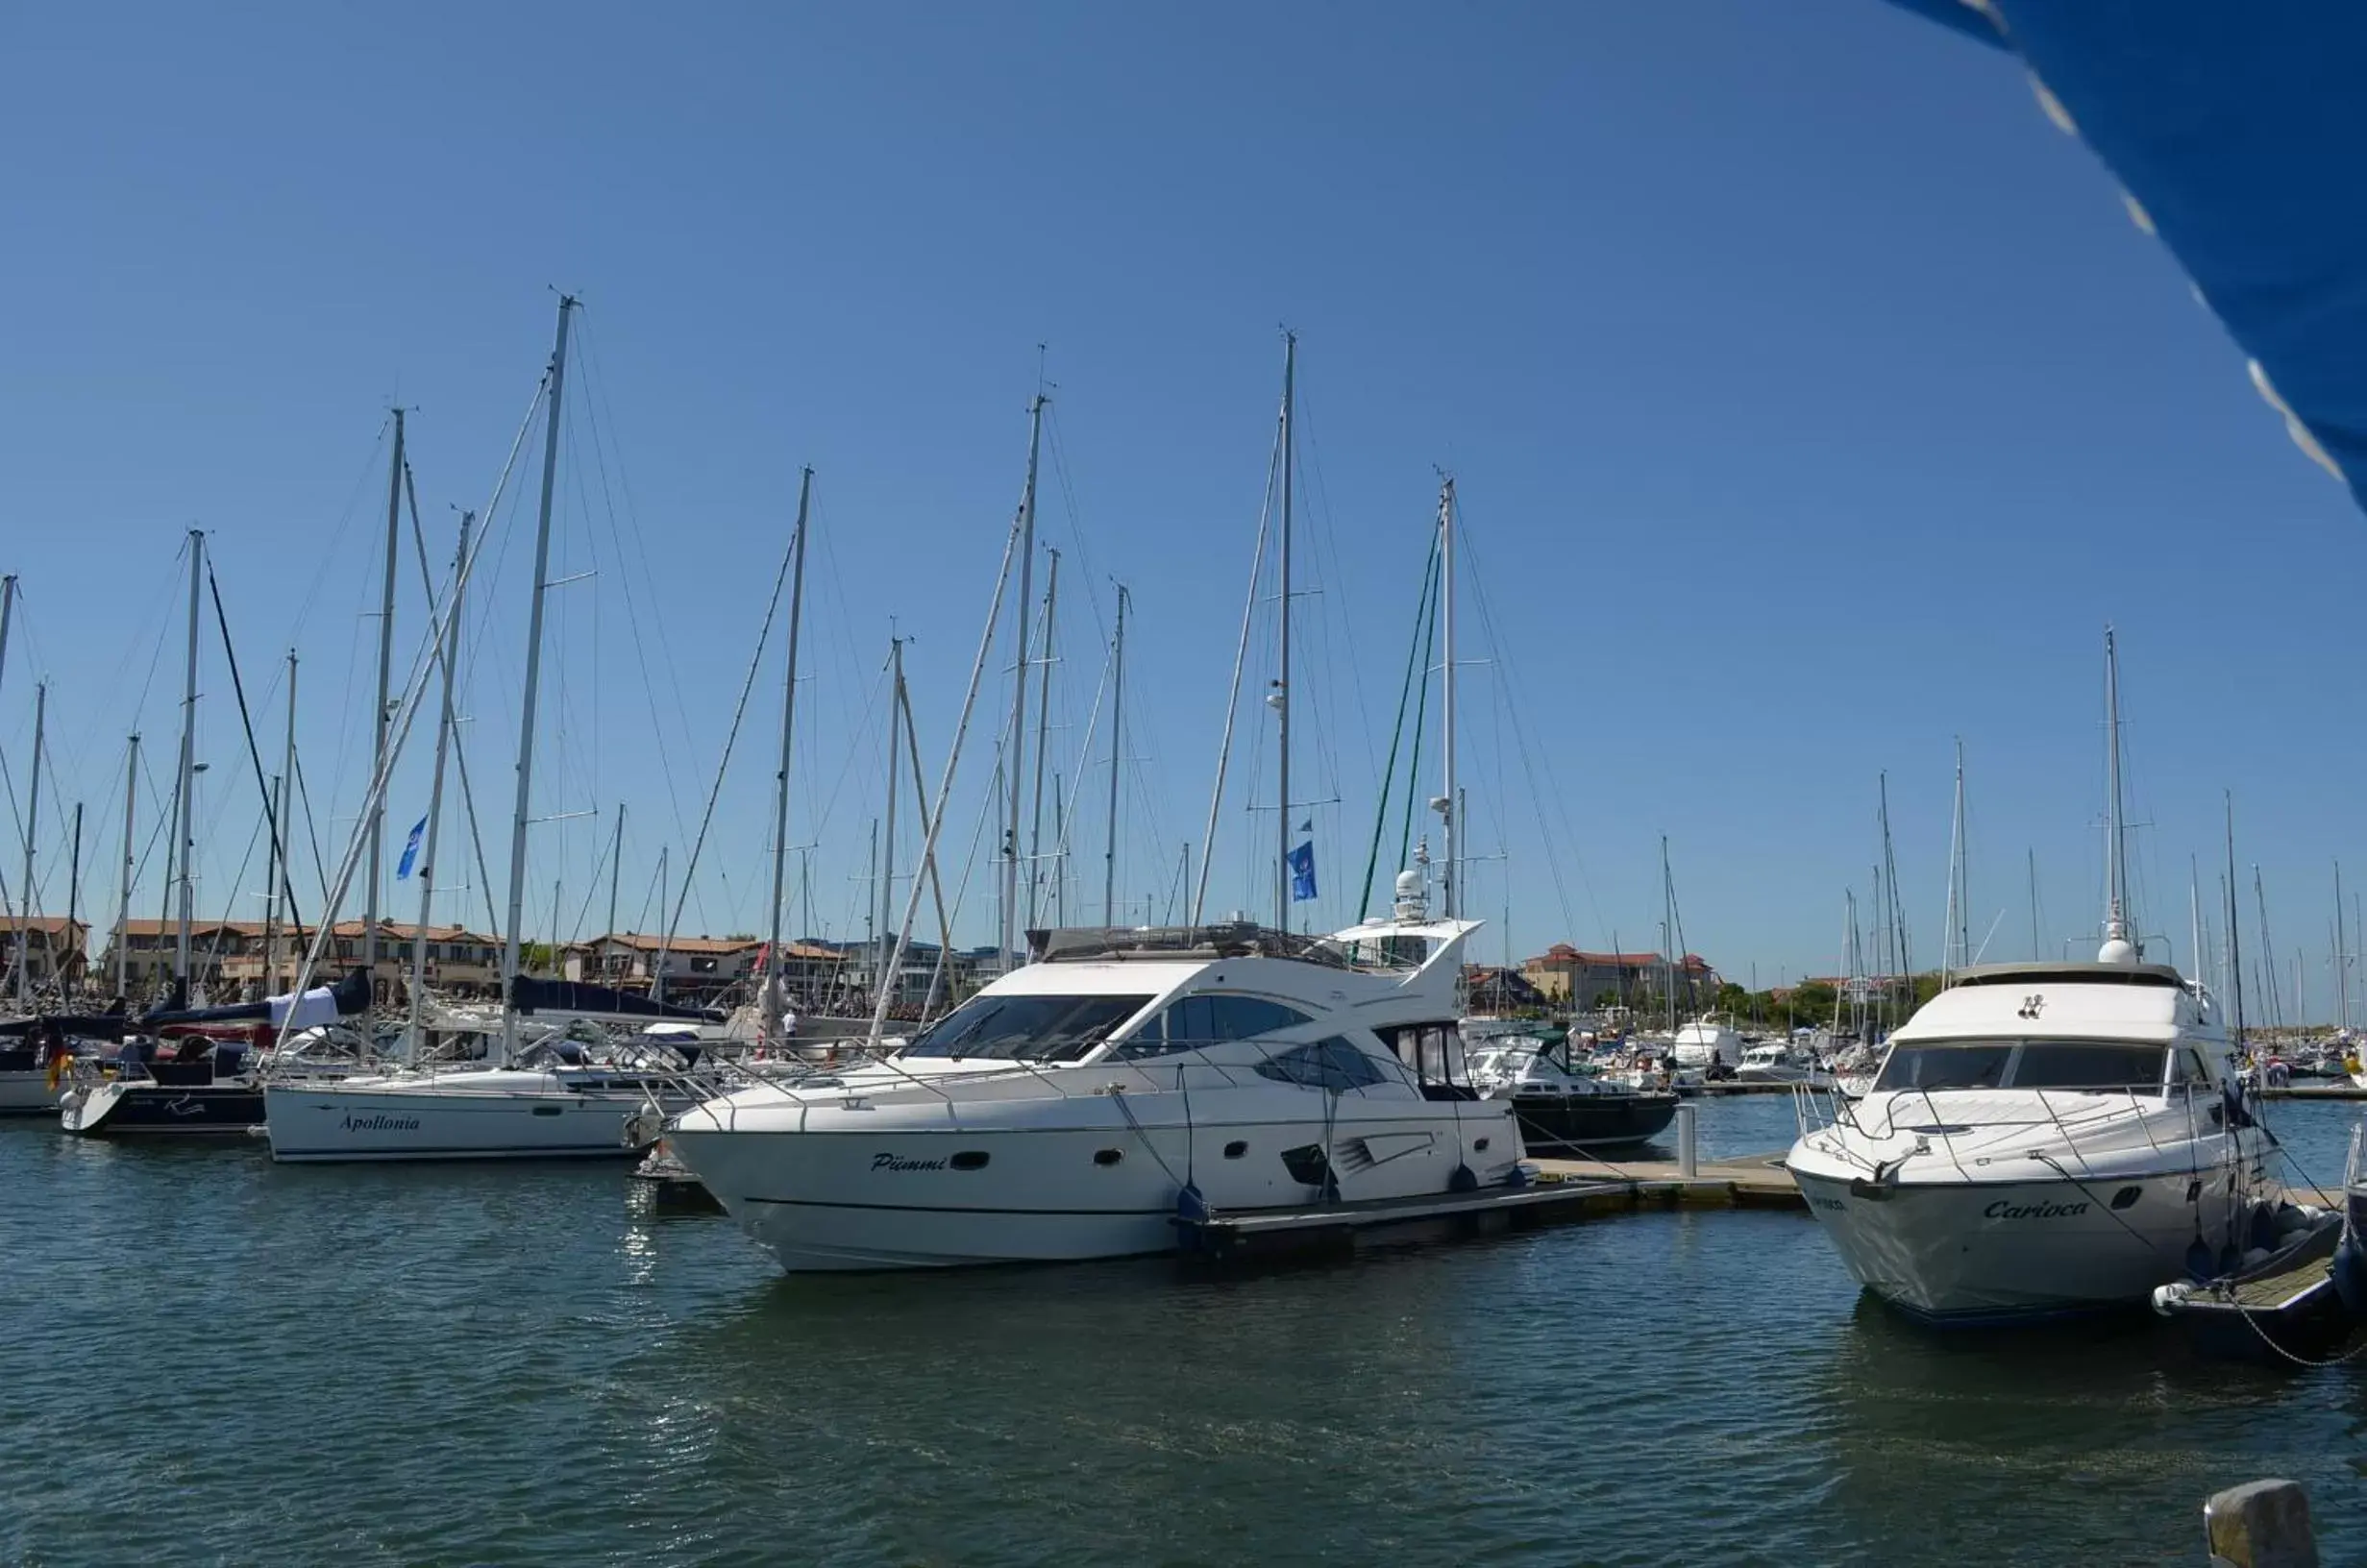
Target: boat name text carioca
{"points": [[2002, 1210], [897, 1162]]}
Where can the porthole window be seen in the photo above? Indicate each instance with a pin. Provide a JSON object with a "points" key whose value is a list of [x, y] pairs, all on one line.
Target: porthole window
{"points": [[1108, 1157], [1236, 1149], [969, 1160]]}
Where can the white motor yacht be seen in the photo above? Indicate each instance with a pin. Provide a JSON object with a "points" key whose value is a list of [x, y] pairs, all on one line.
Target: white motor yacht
{"points": [[1779, 1062], [1708, 1041], [2042, 1139], [1079, 1105]]}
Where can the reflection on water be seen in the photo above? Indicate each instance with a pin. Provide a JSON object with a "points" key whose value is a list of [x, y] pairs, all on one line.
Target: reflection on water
{"points": [[220, 1359]]}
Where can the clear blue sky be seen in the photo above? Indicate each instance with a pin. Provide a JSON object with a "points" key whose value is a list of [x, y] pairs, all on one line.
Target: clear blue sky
{"points": [[1812, 401]]}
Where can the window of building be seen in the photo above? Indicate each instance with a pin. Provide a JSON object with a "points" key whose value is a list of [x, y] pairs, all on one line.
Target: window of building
{"points": [[1334, 1064]]}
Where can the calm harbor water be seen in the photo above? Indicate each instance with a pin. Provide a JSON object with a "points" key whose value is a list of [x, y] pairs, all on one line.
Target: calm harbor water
{"points": [[209, 1358]]}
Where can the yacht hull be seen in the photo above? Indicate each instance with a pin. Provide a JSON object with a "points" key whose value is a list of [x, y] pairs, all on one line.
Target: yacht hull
{"points": [[909, 1197], [320, 1125], [1978, 1253], [118, 1109], [1553, 1125], [26, 1093]]}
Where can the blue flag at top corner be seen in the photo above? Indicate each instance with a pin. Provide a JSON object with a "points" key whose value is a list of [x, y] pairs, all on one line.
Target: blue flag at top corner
{"points": [[411, 850], [1302, 872]]}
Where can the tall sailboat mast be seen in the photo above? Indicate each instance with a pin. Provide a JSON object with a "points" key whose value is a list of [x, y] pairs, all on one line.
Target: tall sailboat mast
{"points": [[385, 667], [775, 994], [284, 895], [2342, 958], [2118, 947], [1043, 736], [33, 823], [426, 869], [1451, 813], [1015, 750], [887, 842], [131, 855], [1956, 942], [1669, 934], [1118, 740], [534, 679], [616, 866], [185, 828], [1282, 678]]}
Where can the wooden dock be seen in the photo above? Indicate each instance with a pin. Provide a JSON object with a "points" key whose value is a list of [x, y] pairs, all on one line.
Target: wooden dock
{"points": [[1566, 1190], [1751, 1181], [1337, 1229], [2326, 1088]]}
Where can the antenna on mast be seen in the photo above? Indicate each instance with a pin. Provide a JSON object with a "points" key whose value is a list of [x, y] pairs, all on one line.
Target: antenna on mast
{"points": [[2118, 947]]}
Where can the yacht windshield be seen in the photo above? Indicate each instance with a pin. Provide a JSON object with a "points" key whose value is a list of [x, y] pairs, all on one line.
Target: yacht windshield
{"points": [[2030, 1064], [2089, 1064], [1946, 1067], [1026, 1028]]}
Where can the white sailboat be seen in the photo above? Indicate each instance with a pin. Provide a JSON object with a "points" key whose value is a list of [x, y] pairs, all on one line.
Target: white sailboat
{"points": [[2044, 1138], [559, 1096]]}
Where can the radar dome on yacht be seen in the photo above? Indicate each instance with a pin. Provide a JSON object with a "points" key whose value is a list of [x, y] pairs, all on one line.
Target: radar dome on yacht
{"points": [[1412, 904], [2117, 950]]}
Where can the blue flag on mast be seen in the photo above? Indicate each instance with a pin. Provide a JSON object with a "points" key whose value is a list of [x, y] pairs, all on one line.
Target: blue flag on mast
{"points": [[410, 851], [1302, 872]]}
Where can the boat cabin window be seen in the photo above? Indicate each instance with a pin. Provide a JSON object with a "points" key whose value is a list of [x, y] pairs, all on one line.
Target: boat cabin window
{"points": [[1434, 1053], [2089, 1064], [2193, 1069], [2030, 1064], [1210, 1019], [1979, 1066], [1038, 1028], [1333, 1063]]}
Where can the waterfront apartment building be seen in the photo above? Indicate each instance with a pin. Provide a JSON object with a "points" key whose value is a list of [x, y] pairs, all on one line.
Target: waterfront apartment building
{"points": [[234, 959], [54, 948], [1576, 978], [696, 969]]}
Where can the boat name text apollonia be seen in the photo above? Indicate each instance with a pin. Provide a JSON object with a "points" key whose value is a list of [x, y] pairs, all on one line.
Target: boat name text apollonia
{"points": [[378, 1121]]}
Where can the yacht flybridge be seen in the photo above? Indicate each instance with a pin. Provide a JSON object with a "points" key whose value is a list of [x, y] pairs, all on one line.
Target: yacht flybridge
{"points": [[1078, 1107], [2044, 1138]]}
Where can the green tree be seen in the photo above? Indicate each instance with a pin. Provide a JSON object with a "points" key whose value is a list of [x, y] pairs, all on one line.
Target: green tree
{"points": [[1810, 1002]]}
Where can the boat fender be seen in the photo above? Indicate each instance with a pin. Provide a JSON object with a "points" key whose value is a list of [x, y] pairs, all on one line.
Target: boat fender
{"points": [[2349, 1271], [2198, 1259], [1192, 1205], [1462, 1179], [2263, 1226]]}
